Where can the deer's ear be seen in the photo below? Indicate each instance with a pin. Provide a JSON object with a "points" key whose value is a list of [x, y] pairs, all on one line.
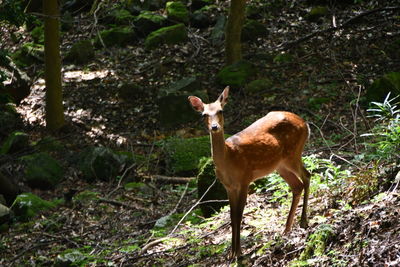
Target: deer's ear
{"points": [[196, 103], [223, 98]]}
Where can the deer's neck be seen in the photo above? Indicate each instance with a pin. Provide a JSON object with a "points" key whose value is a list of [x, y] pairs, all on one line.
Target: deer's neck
{"points": [[218, 148]]}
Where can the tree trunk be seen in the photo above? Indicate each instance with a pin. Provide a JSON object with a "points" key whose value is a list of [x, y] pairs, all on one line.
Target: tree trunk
{"points": [[233, 32], [54, 107]]}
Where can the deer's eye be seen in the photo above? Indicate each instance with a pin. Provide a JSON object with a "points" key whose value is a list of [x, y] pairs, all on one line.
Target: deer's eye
{"points": [[204, 115], [220, 112]]}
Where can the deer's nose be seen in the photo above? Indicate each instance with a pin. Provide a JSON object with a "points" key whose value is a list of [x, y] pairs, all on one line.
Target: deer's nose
{"points": [[214, 127]]}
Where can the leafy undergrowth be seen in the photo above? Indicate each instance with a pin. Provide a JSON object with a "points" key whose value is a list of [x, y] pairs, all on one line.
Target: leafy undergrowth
{"points": [[140, 225]]}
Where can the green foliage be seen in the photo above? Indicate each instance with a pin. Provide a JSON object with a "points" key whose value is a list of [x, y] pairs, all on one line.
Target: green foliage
{"points": [[13, 12], [381, 87], [15, 142], [28, 54], [38, 34], [317, 242], [386, 133]]}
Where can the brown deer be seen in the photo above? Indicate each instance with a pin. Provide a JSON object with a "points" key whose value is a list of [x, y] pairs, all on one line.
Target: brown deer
{"points": [[274, 142]]}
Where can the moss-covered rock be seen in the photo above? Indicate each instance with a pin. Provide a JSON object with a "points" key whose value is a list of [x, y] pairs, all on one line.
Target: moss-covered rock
{"points": [[121, 17], [218, 31], [252, 30], [177, 11], [117, 36], [205, 179], [100, 163], [28, 205], [81, 52], [237, 74], [202, 18], [42, 170], [379, 89], [174, 109], [147, 22], [316, 13], [259, 85], [140, 5], [4, 214], [28, 54], [129, 91], [8, 122], [15, 142], [182, 155], [166, 35]]}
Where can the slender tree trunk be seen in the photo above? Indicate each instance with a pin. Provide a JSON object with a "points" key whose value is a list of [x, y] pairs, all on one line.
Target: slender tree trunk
{"points": [[54, 107], [233, 32]]}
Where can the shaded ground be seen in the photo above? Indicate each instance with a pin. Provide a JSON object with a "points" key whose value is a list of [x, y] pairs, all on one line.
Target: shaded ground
{"points": [[324, 82]]}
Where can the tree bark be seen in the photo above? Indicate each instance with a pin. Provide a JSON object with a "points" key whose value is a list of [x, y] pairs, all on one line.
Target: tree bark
{"points": [[54, 107], [233, 32]]}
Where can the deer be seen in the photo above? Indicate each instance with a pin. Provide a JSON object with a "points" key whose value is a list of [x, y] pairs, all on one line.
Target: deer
{"points": [[273, 142]]}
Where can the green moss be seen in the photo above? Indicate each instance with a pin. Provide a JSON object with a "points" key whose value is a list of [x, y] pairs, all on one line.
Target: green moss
{"points": [[259, 85], [122, 16], [183, 155], [27, 205], [253, 29], [147, 22], [118, 36], [236, 74], [177, 11], [166, 35], [81, 52], [283, 58], [316, 242], [390, 82], [316, 13], [42, 170], [86, 196], [16, 141], [28, 54], [101, 163], [38, 34]]}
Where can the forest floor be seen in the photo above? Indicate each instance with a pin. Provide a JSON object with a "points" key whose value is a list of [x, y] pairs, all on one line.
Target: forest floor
{"points": [[324, 82]]}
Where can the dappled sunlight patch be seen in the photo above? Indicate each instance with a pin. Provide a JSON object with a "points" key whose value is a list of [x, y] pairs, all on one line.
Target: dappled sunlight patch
{"points": [[85, 75]]}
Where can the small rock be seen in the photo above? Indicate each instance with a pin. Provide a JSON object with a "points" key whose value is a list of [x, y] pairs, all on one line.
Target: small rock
{"points": [[81, 52], [177, 12], [42, 170], [166, 35]]}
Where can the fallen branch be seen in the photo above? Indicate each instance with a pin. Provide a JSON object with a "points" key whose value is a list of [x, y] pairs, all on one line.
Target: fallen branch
{"points": [[345, 24], [169, 179]]}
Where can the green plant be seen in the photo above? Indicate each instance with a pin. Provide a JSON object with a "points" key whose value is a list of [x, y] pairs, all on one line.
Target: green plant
{"points": [[386, 134]]}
